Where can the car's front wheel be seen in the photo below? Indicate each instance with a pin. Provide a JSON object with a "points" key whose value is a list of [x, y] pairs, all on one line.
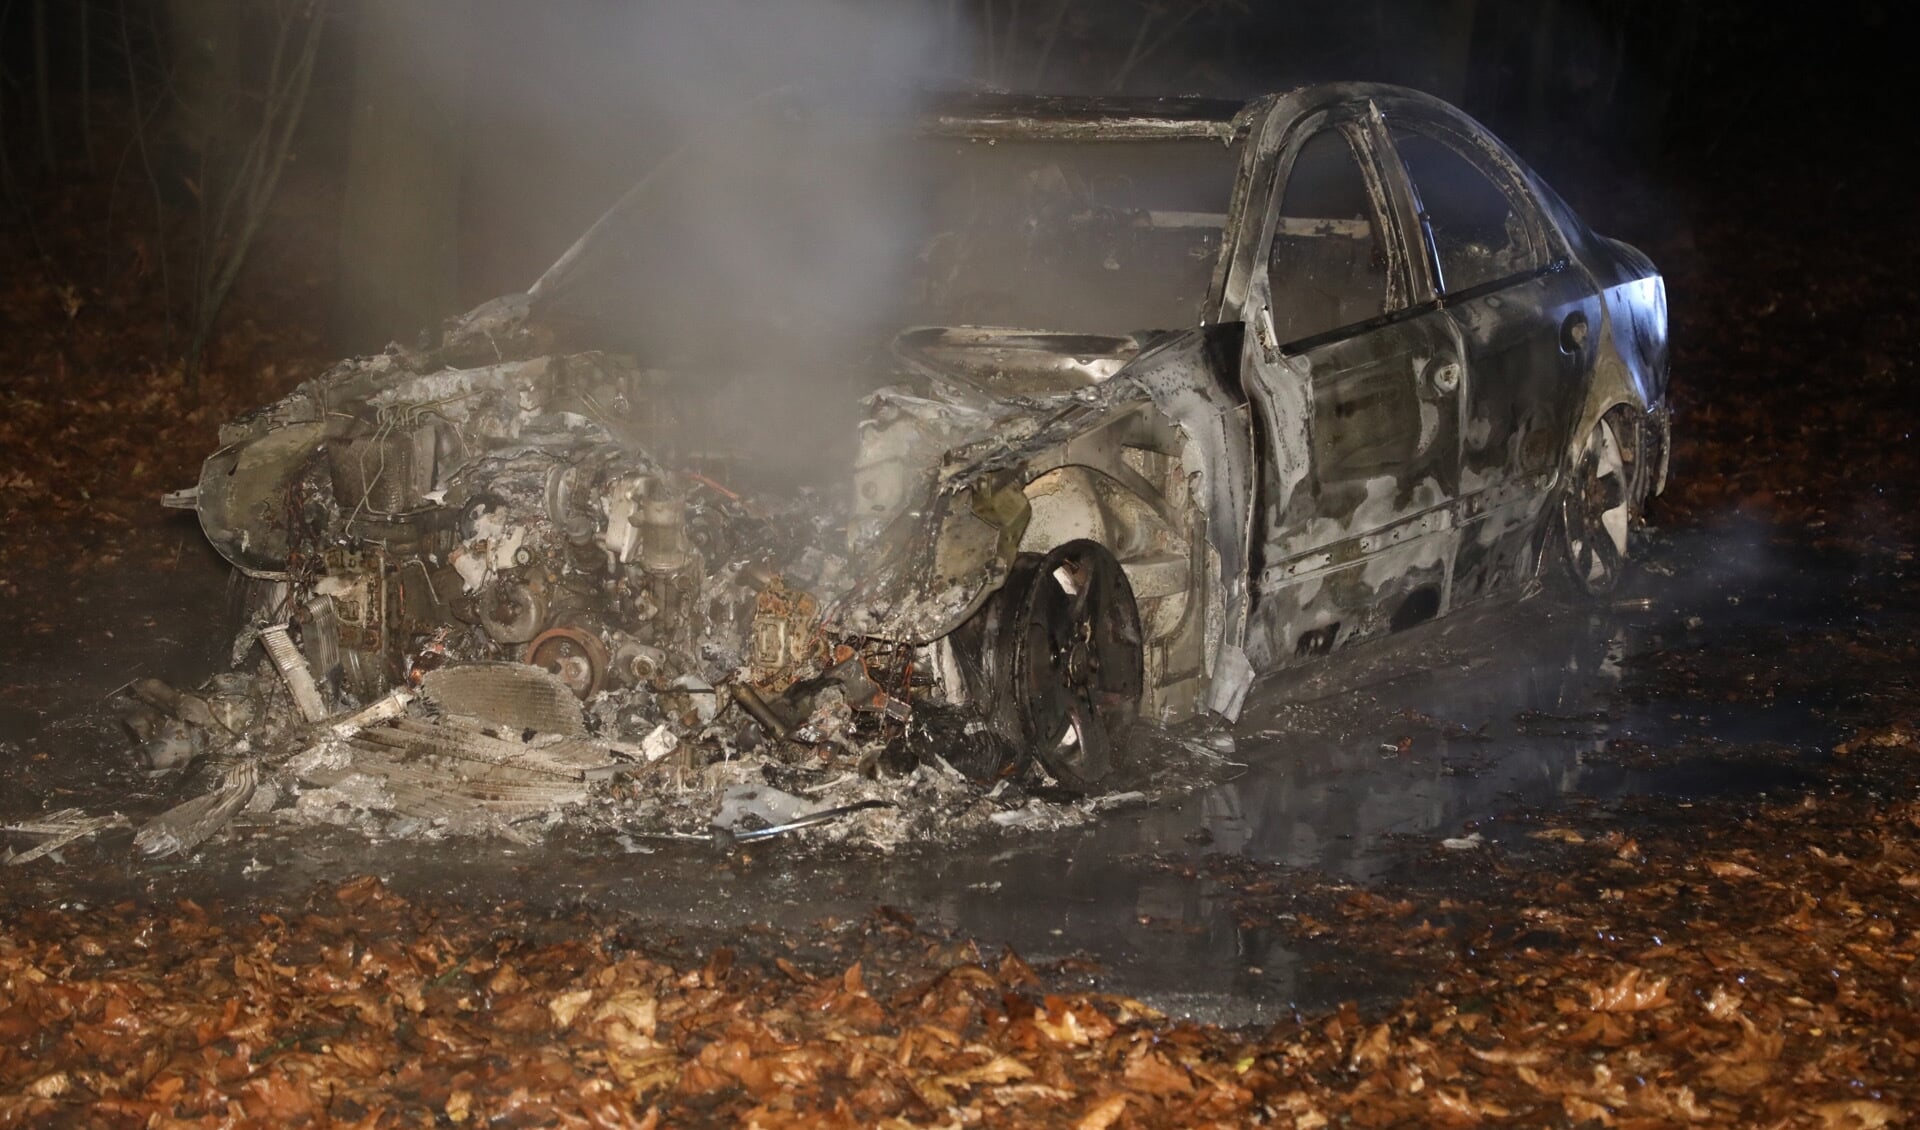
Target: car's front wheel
{"points": [[1597, 511], [1061, 660]]}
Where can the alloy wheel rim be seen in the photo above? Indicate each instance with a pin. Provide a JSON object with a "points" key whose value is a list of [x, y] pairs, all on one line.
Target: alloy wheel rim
{"points": [[1597, 513]]}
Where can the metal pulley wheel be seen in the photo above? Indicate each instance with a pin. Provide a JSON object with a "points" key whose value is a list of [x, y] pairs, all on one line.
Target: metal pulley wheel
{"points": [[511, 612], [577, 657]]}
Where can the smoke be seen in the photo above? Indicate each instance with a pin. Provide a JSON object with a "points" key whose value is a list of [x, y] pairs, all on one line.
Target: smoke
{"points": [[774, 221]]}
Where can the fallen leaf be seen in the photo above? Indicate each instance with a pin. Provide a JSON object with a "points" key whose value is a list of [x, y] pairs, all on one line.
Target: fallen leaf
{"points": [[1150, 1072], [566, 1006], [1371, 1050], [1104, 1115], [1527, 1057], [1000, 1069], [1723, 1003], [1629, 993], [1063, 1028], [505, 980], [626, 1021], [1453, 1104], [1015, 973], [1856, 1114]]}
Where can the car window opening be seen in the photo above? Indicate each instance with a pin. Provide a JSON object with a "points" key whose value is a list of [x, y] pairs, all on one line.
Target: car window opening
{"points": [[1328, 263], [1479, 236]]}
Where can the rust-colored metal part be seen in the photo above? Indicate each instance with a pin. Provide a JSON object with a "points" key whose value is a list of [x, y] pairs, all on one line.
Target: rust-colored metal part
{"points": [[786, 636], [577, 657]]}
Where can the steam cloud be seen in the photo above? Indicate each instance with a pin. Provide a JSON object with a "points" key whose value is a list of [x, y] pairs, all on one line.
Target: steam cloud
{"points": [[762, 258]]}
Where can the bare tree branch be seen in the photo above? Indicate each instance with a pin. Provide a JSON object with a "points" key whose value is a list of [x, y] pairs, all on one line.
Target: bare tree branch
{"points": [[86, 81], [1045, 54], [42, 67], [1136, 54], [141, 122], [258, 177]]}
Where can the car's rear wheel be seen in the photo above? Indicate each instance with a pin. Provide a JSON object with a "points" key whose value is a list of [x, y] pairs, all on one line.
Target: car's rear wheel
{"points": [[1061, 660], [1597, 512]]}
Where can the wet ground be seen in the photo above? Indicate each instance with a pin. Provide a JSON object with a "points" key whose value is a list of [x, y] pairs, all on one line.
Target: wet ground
{"points": [[1722, 673]]}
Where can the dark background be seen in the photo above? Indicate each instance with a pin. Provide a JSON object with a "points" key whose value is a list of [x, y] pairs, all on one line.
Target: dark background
{"points": [[450, 148]]}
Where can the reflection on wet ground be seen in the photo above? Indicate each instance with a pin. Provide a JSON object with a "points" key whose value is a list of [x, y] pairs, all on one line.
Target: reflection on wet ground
{"points": [[1360, 767], [1352, 772]]}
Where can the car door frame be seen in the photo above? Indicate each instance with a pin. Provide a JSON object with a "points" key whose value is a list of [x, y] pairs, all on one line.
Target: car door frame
{"points": [[1316, 591]]}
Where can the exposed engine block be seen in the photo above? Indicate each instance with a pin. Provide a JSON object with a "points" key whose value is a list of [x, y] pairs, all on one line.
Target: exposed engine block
{"points": [[591, 564]]}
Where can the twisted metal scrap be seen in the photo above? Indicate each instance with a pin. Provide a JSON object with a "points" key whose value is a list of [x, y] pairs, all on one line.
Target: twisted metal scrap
{"points": [[186, 826], [65, 826]]}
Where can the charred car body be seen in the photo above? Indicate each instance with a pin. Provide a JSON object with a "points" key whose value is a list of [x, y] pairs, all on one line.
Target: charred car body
{"points": [[1191, 391]]}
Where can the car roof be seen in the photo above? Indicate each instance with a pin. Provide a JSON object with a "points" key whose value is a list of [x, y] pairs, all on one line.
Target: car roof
{"points": [[1042, 117], [1064, 117]]}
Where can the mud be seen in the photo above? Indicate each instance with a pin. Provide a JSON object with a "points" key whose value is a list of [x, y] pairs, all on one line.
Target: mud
{"points": [[1724, 674]]}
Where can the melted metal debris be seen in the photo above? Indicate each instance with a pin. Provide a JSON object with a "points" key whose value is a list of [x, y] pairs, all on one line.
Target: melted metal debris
{"points": [[67, 826], [505, 750]]}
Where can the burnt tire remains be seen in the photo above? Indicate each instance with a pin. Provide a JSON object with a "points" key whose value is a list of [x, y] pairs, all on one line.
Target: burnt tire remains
{"points": [[1061, 665]]}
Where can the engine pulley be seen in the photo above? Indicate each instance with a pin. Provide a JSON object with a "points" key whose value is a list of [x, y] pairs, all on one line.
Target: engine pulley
{"points": [[577, 657]]}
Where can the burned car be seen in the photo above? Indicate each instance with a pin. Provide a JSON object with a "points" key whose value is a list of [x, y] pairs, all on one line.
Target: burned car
{"points": [[1179, 392]]}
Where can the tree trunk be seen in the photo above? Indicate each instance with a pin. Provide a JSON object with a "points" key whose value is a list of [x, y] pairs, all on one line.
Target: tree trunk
{"points": [[1654, 124], [400, 219], [1449, 58], [246, 189], [42, 70], [86, 83], [1542, 73], [202, 39]]}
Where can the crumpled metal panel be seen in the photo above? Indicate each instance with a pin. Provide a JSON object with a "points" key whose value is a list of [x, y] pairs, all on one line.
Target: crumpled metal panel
{"points": [[1194, 380]]}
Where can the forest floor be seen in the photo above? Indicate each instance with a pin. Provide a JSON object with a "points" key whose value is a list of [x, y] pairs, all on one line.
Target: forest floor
{"points": [[1736, 943]]}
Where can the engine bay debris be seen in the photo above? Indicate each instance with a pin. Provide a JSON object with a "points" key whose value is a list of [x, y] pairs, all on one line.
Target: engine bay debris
{"points": [[506, 751]]}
